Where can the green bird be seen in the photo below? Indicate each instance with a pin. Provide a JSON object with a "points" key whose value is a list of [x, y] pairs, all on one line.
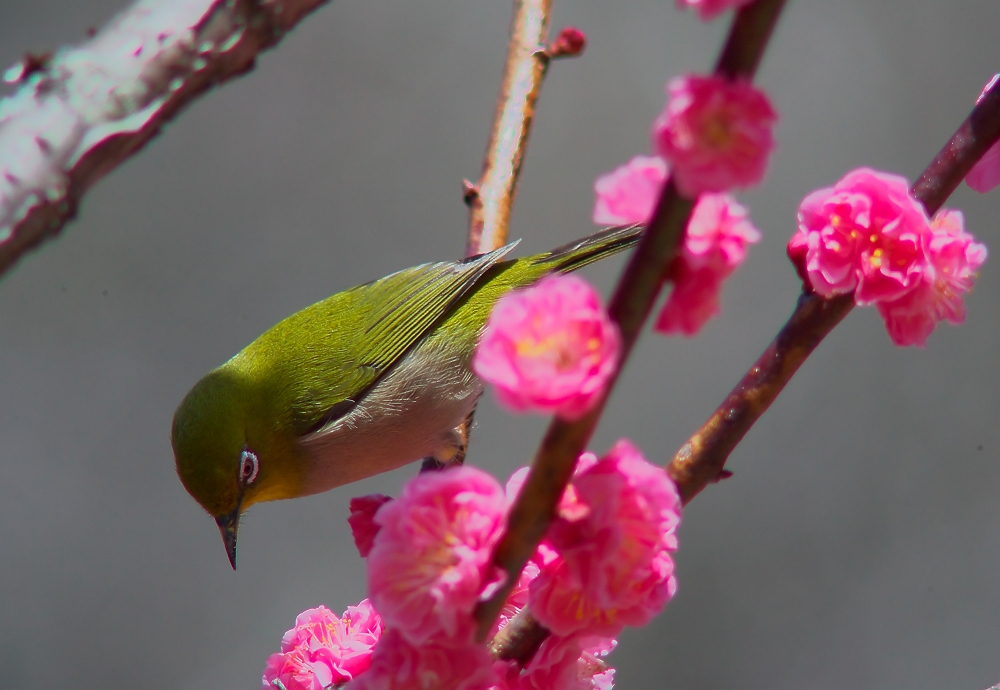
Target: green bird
{"points": [[360, 383]]}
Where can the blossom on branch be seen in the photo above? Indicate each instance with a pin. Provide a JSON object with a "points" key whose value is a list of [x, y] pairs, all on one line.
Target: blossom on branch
{"points": [[562, 663], [431, 558], [868, 235], [322, 649], [549, 348], [716, 134], [628, 193], [862, 235], [362, 520], [609, 566], [399, 664], [569, 43], [953, 256], [715, 242], [710, 9]]}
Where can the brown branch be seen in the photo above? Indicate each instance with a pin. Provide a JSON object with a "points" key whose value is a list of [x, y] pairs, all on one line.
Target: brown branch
{"points": [[87, 110], [967, 145], [633, 299], [490, 201], [702, 459], [519, 639]]}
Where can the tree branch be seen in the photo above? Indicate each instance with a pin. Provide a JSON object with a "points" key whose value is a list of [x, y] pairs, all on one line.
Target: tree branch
{"points": [[702, 459], [633, 299], [91, 107], [490, 201]]}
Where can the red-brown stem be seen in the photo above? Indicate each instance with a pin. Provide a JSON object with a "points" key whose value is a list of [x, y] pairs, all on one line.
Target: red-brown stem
{"points": [[702, 459], [519, 639], [491, 199], [967, 145], [235, 33], [633, 299]]}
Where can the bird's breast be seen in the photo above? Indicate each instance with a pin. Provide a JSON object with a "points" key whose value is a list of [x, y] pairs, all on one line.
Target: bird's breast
{"points": [[409, 414]]}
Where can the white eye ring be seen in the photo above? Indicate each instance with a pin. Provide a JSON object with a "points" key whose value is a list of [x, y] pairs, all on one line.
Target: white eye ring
{"points": [[249, 466]]}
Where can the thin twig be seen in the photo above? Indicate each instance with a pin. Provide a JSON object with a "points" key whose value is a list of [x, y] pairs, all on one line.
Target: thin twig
{"points": [[702, 459], [82, 113], [490, 201], [633, 299]]}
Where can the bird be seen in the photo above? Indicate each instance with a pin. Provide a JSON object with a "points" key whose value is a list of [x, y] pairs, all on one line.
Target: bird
{"points": [[360, 383]]}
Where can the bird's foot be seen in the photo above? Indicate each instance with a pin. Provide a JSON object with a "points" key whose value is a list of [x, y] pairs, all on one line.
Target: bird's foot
{"points": [[452, 452]]}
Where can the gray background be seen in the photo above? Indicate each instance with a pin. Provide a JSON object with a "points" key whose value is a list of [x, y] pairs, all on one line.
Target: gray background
{"points": [[858, 544]]}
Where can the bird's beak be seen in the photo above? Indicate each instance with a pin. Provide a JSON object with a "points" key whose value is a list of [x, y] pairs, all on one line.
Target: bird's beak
{"points": [[228, 526]]}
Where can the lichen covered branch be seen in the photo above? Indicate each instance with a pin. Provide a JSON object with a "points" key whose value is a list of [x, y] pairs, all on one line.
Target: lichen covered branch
{"points": [[80, 114]]}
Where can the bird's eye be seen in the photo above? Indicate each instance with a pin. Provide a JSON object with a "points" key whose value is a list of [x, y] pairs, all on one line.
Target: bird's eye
{"points": [[248, 467]]}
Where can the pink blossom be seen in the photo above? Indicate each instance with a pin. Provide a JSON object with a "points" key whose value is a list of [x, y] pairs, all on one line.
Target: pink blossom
{"points": [[518, 597], [362, 520], [716, 242], [323, 649], [612, 566], [562, 663], [431, 557], [569, 43], [710, 9], [549, 348], [716, 134], [985, 174], [953, 258], [400, 665], [628, 193], [692, 302], [863, 234], [570, 505]]}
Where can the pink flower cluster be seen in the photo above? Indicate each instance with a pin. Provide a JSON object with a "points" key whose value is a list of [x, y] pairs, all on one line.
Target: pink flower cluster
{"points": [[431, 556], [561, 663], [604, 564], [324, 650], [710, 9], [868, 236], [362, 520], [715, 243], [714, 135], [550, 348]]}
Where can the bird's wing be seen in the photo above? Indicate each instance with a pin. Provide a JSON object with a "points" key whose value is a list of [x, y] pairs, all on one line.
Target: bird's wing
{"points": [[398, 311]]}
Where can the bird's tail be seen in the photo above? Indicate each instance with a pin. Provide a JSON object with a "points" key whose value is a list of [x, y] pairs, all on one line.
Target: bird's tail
{"points": [[591, 248]]}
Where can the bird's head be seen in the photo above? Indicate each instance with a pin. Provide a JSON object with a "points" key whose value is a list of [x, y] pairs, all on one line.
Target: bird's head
{"points": [[223, 454]]}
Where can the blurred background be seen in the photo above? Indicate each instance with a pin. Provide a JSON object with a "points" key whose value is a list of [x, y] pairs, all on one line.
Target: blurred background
{"points": [[858, 544]]}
